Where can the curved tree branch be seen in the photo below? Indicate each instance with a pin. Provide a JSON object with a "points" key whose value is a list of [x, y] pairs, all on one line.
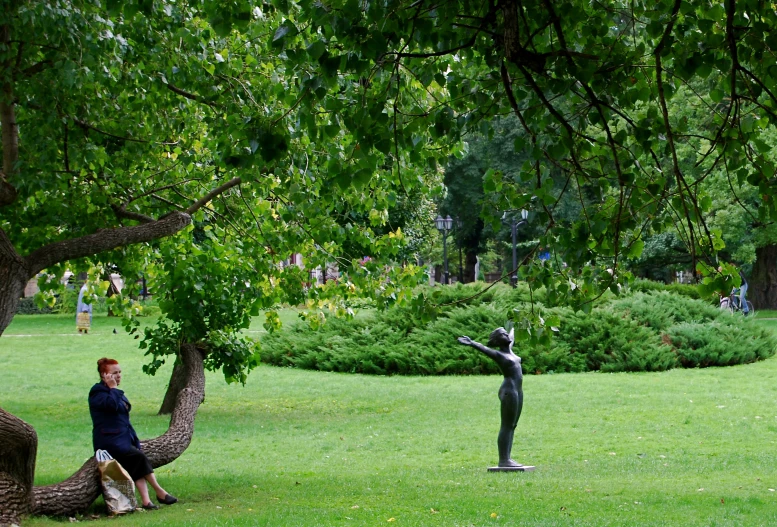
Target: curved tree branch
{"points": [[190, 96], [83, 124], [194, 207], [104, 240], [108, 239]]}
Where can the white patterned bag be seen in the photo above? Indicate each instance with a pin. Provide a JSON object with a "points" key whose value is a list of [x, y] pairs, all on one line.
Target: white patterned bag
{"points": [[118, 487]]}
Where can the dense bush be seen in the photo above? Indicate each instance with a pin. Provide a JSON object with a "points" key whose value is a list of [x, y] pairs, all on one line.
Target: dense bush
{"points": [[67, 302], [638, 332], [379, 346], [645, 286], [725, 342], [499, 294], [611, 341], [27, 306], [661, 310]]}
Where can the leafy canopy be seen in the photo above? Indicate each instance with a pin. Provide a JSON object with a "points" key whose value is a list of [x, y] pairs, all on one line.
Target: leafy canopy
{"points": [[137, 107]]}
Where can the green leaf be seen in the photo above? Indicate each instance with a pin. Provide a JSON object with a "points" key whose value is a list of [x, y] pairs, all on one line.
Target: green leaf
{"points": [[316, 49], [761, 145], [287, 29], [635, 251]]}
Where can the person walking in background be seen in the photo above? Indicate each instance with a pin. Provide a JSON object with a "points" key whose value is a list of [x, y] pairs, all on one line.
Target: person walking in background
{"points": [[83, 312]]}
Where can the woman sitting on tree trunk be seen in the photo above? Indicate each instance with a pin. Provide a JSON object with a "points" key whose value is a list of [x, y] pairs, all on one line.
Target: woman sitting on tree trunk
{"points": [[112, 431]]}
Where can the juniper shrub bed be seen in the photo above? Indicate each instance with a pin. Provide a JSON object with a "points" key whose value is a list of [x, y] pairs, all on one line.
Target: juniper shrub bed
{"points": [[641, 331]]}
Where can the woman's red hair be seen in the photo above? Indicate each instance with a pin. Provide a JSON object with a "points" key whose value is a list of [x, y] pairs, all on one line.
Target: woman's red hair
{"points": [[102, 364]]}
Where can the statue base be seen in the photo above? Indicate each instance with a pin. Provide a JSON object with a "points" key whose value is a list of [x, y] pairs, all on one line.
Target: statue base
{"points": [[522, 468]]}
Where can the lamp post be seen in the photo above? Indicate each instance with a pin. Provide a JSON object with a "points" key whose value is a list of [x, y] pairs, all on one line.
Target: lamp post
{"points": [[444, 226], [514, 228]]}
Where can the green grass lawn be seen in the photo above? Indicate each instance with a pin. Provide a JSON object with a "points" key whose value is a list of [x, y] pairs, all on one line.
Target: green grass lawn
{"points": [[766, 313], [302, 448]]}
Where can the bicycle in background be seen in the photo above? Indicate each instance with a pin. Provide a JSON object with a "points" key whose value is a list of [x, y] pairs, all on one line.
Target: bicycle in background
{"points": [[733, 304]]}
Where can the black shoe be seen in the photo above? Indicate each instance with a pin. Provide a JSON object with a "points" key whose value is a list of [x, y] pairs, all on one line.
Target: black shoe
{"points": [[151, 507], [167, 500]]}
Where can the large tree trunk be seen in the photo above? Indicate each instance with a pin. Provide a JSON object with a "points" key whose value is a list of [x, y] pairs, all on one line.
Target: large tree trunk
{"points": [[762, 286], [18, 447], [469, 267], [13, 277], [82, 488], [177, 383]]}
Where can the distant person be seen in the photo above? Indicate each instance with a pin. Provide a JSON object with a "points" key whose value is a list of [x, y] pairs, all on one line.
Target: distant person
{"points": [[743, 293], [83, 312], [112, 431]]}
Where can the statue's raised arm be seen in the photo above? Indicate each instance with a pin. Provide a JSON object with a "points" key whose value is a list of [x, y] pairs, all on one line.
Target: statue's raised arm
{"points": [[503, 355], [494, 354]]}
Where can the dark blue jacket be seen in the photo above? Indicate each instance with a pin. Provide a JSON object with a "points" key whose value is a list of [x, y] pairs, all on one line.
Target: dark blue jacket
{"points": [[111, 428]]}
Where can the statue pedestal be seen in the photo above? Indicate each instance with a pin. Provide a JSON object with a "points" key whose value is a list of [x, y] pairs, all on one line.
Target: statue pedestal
{"points": [[522, 468]]}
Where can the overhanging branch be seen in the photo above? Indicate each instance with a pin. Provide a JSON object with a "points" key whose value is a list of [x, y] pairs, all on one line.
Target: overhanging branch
{"points": [[85, 125], [212, 194], [35, 68], [122, 212], [104, 240], [190, 96]]}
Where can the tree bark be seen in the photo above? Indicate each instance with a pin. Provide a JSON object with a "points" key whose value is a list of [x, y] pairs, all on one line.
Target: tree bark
{"points": [[82, 488], [105, 240], [471, 259], [10, 129], [762, 286], [18, 448], [177, 383], [14, 274]]}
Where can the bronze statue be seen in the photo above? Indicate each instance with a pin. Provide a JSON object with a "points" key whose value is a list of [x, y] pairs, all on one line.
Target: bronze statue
{"points": [[510, 393]]}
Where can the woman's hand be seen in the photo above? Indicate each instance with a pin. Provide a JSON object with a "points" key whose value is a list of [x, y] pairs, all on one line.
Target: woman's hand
{"points": [[110, 380], [465, 340]]}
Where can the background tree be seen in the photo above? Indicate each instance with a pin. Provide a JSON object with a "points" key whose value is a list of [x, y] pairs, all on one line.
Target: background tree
{"points": [[664, 254], [592, 87], [472, 191]]}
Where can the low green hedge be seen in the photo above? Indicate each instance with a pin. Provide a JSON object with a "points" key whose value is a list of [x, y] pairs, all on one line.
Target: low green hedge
{"points": [[642, 285], [27, 306], [68, 301], [66, 304], [662, 309], [640, 332], [723, 342]]}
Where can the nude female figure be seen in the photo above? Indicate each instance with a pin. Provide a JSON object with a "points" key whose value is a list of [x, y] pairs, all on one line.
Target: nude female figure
{"points": [[511, 391]]}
